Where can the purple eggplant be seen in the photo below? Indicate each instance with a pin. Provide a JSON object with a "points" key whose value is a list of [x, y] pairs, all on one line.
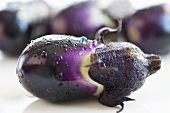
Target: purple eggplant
{"points": [[81, 19], [149, 29], [20, 23], [62, 67]]}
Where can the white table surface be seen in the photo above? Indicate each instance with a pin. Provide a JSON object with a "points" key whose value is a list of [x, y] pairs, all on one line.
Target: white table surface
{"points": [[153, 97]]}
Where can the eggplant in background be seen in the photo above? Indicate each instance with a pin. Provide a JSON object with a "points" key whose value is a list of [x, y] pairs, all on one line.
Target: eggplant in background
{"points": [[81, 19], [20, 23], [149, 29]]}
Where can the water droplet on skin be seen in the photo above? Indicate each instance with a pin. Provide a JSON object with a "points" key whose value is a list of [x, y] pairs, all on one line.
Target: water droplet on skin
{"points": [[35, 47], [66, 50], [44, 54], [49, 90], [60, 84], [44, 39], [61, 57], [34, 55], [66, 63], [104, 65], [84, 48], [64, 46], [60, 76], [75, 44], [83, 40], [70, 48], [20, 74], [68, 92], [81, 53], [55, 53], [56, 44], [57, 63], [93, 44], [69, 41], [47, 43]]}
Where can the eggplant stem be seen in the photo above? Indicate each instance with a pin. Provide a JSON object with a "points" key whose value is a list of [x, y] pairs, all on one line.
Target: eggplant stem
{"points": [[105, 30], [122, 107]]}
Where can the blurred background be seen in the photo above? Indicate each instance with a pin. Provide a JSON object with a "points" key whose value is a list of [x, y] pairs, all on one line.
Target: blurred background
{"points": [[145, 23]]}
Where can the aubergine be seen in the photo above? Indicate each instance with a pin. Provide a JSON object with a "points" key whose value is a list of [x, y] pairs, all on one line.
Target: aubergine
{"points": [[81, 19], [20, 23], [63, 67], [149, 29]]}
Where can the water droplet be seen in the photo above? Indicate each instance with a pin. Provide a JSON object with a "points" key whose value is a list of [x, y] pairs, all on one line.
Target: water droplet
{"points": [[66, 63], [68, 92], [56, 44], [84, 48], [83, 40], [69, 41], [60, 84], [55, 53], [104, 65], [20, 74], [64, 46], [66, 50], [49, 90], [57, 63], [44, 39], [47, 43], [93, 44], [75, 44], [35, 47], [61, 57], [44, 54], [81, 53], [34, 55], [60, 76], [70, 48]]}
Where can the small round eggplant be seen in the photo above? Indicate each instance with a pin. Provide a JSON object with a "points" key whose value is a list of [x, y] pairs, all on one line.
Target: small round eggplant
{"points": [[81, 19], [20, 23], [149, 29], [61, 67]]}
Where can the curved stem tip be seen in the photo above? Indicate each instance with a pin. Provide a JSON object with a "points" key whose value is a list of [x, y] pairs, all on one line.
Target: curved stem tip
{"points": [[105, 30]]}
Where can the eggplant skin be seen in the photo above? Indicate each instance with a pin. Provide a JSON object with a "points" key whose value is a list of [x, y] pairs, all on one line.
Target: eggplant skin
{"points": [[12, 39], [18, 27], [81, 19], [149, 29], [49, 68]]}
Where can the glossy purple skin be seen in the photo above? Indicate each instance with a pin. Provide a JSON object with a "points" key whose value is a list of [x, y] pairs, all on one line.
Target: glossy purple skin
{"points": [[16, 32], [83, 19], [12, 39], [149, 29], [49, 68]]}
